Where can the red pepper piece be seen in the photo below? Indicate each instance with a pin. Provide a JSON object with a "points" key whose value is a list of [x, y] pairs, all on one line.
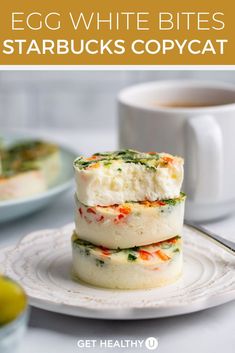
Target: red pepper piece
{"points": [[118, 218], [90, 210], [161, 203], [105, 251], [125, 209], [145, 255], [168, 159], [92, 158], [87, 220], [162, 255], [100, 219]]}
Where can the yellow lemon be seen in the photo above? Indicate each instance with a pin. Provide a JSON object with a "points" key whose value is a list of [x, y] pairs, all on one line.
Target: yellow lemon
{"points": [[12, 300]]}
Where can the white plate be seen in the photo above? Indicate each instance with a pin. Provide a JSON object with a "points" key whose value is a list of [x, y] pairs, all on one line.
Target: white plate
{"points": [[12, 209], [41, 262]]}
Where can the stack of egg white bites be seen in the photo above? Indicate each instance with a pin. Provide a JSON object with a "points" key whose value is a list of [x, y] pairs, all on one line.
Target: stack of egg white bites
{"points": [[129, 219]]}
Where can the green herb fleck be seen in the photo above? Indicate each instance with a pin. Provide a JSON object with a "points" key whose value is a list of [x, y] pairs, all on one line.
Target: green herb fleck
{"points": [[87, 252], [166, 245], [171, 202], [176, 250], [99, 263], [127, 156], [131, 257], [137, 214], [107, 163]]}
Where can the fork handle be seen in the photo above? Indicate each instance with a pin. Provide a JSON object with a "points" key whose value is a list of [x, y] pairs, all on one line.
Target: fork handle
{"points": [[224, 243]]}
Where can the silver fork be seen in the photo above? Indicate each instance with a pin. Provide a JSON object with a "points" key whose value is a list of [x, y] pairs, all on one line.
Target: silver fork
{"points": [[223, 243]]}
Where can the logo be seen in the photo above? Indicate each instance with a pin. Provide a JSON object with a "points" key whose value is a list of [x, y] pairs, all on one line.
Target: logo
{"points": [[151, 343]]}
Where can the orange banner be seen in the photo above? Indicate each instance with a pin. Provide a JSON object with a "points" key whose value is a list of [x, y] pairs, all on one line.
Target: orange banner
{"points": [[123, 32]]}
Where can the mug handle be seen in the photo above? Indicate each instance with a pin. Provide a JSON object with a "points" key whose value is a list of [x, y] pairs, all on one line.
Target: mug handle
{"points": [[204, 166]]}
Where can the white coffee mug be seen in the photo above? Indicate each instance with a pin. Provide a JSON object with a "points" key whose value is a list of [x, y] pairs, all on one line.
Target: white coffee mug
{"points": [[193, 119]]}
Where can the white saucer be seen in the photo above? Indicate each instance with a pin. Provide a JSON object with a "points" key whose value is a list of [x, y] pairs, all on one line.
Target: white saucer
{"points": [[42, 264]]}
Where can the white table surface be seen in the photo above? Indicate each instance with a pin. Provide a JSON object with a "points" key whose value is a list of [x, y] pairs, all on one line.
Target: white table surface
{"points": [[211, 330]]}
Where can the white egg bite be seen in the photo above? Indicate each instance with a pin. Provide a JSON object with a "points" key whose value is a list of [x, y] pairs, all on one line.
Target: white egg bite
{"points": [[41, 172], [117, 177], [22, 185], [149, 266], [50, 166], [130, 224]]}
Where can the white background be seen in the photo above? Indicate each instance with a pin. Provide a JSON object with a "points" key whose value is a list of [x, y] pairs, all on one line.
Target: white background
{"points": [[75, 99]]}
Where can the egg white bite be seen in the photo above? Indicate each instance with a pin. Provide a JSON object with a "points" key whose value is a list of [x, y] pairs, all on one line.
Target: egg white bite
{"points": [[28, 168], [149, 266], [22, 185], [130, 224], [117, 177], [50, 166]]}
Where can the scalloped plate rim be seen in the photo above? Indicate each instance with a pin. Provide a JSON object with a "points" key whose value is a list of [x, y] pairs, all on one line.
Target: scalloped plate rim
{"points": [[127, 313]]}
